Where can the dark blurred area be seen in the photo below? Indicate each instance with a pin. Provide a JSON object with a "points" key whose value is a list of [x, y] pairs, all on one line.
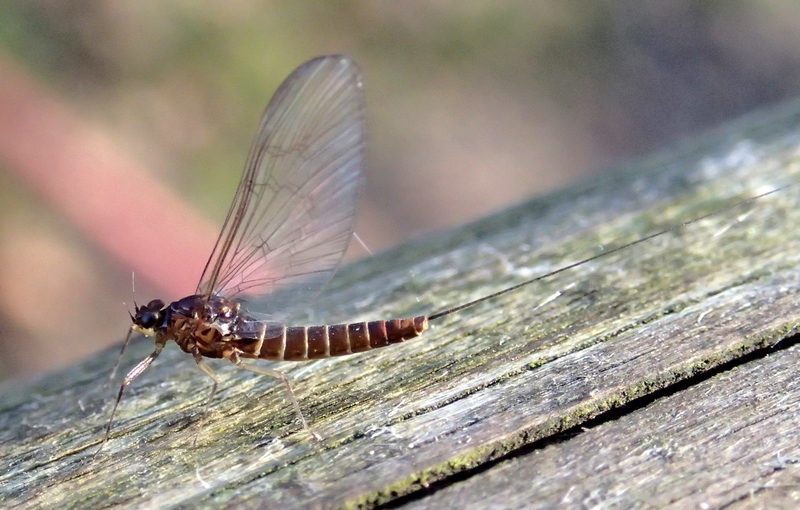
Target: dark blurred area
{"points": [[473, 106]]}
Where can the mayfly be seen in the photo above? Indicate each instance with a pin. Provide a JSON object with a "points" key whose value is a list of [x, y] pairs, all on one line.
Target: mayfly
{"points": [[288, 227]]}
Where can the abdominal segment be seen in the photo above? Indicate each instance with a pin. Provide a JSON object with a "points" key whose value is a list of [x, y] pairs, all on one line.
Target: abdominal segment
{"points": [[314, 342]]}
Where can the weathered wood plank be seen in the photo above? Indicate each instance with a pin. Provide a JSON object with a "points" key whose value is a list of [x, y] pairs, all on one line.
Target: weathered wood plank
{"points": [[733, 439], [479, 385]]}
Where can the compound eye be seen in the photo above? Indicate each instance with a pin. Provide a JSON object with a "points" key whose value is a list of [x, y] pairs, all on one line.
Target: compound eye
{"points": [[155, 304], [148, 319]]}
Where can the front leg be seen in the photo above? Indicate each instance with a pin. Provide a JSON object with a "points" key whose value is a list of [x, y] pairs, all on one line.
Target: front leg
{"points": [[133, 374]]}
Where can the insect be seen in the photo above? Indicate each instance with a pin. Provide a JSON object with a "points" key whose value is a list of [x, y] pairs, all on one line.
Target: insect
{"points": [[288, 227]]}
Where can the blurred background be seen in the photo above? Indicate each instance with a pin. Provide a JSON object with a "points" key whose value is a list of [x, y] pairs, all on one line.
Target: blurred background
{"points": [[124, 126]]}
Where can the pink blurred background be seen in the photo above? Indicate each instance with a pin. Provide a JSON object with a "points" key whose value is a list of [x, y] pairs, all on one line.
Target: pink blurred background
{"points": [[124, 125]]}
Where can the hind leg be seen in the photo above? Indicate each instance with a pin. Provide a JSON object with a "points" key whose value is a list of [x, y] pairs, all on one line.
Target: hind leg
{"points": [[285, 380]]}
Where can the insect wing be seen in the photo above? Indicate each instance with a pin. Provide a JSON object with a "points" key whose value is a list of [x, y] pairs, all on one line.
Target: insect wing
{"points": [[293, 214]]}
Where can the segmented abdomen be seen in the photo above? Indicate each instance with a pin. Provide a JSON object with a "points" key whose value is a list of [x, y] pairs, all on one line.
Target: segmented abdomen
{"points": [[314, 342]]}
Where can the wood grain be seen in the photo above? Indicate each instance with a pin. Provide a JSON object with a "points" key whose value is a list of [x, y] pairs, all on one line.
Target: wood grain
{"points": [[664, 349], [728, 441]]}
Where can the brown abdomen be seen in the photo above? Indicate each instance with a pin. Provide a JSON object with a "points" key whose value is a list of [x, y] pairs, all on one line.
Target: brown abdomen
{"points": [[314, 342]]}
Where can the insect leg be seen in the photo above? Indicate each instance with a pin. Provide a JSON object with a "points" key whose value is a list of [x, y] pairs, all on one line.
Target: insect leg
{"points": [[121, 352], [277, 375], [208, 370], [133, 374]]}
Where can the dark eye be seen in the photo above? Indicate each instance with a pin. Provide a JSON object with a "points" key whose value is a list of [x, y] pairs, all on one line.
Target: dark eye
{"points": [[148, 319], [155, 304]]}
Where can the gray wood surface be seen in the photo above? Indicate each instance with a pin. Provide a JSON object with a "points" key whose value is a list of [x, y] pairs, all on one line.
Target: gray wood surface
{"points": [[664, 350], [730, 441]]}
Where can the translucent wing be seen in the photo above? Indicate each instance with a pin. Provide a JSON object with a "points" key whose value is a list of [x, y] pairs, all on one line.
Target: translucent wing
{"points": [[292, 217]]}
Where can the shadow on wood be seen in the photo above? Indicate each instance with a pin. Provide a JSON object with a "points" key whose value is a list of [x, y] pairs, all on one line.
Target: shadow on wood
{"points": [[665, 349]]}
